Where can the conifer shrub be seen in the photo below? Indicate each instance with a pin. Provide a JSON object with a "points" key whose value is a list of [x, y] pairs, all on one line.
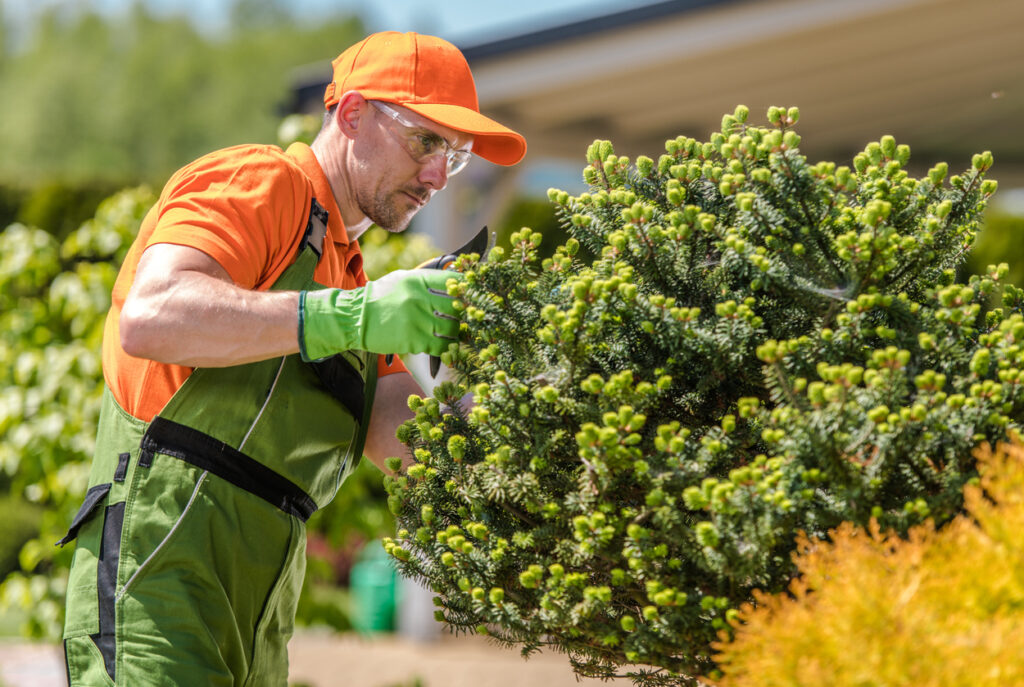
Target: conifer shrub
{"points": [[763, 346], [940, 607]]}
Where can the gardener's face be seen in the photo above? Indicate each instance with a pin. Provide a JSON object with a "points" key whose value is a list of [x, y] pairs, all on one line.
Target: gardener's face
{"points": [[410, 160]]}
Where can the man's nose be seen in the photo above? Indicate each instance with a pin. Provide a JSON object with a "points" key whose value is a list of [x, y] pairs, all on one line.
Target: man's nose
{"points": [[434, 172]]}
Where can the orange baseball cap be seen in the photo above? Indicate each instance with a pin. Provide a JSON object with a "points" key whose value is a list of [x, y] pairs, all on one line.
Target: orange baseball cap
{"points": [[429, 76]]}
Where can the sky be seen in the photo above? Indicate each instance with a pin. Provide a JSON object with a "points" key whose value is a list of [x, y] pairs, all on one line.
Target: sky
{"points": [[465, 22]]}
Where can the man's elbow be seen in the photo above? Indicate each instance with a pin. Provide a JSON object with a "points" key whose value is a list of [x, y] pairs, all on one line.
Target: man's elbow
{"points": [[138, 331]]}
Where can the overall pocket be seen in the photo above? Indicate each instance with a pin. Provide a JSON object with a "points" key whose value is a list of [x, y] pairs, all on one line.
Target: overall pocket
{"points": [[92, 500], [82, 597], [93, 578]]}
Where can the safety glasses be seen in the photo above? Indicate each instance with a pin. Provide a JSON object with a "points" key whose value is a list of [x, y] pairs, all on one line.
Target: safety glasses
{"points": [[422, 143]]}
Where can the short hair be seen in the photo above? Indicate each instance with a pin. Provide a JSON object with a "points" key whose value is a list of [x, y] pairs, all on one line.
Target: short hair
{"points": [[329, 115]]}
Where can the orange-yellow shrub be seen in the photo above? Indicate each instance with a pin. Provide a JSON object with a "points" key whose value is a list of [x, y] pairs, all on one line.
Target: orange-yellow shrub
{"points": [[939, 609]]}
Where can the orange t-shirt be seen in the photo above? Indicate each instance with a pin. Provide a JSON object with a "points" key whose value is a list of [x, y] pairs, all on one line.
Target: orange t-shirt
{"points": [[246, 207]]}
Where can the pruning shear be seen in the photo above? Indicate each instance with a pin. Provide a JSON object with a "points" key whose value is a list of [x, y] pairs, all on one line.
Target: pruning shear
{"points": [[481, 244]]}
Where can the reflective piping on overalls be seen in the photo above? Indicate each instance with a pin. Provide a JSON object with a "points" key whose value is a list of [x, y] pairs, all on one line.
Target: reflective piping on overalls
{"points": [[188, 506], [265, 402], [338, 478]]}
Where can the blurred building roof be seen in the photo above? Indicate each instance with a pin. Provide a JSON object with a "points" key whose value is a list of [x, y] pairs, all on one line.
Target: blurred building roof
{"points": [[943, 76]]}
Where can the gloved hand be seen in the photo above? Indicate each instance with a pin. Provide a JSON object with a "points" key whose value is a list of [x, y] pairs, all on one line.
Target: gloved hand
{"points": [[406, 311]]}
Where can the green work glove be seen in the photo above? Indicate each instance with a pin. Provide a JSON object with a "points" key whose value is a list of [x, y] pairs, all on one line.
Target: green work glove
{"points": [[406, 311]]}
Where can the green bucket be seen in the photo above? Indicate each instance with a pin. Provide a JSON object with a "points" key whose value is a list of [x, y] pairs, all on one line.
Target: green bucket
{"points": [[372, 582]]}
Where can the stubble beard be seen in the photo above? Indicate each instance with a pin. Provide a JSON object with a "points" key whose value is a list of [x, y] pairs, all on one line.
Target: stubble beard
{"points": [[388, 211]]}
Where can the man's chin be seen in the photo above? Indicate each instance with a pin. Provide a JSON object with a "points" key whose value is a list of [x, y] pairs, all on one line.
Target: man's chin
{"points": [[394, 219], [394, 225]]}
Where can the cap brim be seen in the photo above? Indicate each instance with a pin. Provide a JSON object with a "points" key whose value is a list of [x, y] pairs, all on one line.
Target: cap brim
{"points": [[491, 141]]}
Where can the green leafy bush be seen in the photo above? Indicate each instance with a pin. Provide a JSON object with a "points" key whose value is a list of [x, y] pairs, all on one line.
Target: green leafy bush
{"points": [[53, 298], [1001, 238], [763, 346], [19, 522], [56, 207]]}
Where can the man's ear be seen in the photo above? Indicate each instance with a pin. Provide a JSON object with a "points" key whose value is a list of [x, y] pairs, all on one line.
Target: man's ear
{"points": [[351, 112]]}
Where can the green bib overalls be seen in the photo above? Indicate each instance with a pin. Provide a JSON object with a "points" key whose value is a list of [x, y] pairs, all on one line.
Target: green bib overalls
{"points": [[191, 540]]}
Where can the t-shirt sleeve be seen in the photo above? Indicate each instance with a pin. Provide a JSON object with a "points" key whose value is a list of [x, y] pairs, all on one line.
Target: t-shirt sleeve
{"points": [[240, 207], [389, 365]]}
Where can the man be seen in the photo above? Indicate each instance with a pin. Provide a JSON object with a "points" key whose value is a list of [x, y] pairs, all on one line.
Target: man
{"points": [[239, 389]]}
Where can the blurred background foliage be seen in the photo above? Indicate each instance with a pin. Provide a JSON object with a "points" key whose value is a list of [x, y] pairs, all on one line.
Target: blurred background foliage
{"points": [[91, 103], [53, 298], [1000, 240], [90, 99]]}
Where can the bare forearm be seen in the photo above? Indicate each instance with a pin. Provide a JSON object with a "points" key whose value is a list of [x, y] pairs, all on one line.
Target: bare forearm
{"points": [[194, 315], [390, 409]]}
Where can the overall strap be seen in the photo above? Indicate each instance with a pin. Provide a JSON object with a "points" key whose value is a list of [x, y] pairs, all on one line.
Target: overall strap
{"points": [[316, 229], [273, 427], [228, 463]]}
